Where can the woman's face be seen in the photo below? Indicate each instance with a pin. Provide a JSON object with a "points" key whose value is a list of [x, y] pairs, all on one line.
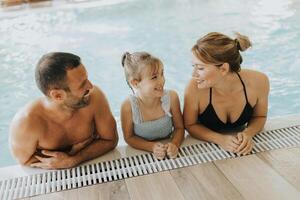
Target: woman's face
{"points": [[206, 75]]}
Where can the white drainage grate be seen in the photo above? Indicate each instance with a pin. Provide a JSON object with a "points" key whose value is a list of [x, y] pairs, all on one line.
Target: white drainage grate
{"points": [[138, 165]]}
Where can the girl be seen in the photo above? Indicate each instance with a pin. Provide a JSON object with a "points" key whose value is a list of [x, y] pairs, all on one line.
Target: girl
{"points": [[151, 113], [222, 97]]}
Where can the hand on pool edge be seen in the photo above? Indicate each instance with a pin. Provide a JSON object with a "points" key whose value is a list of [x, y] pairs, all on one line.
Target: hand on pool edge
{"points": [[54, 160]]}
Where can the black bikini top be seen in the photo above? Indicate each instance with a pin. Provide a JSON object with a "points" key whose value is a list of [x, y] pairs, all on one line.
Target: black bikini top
{"points": [[210, 119]]}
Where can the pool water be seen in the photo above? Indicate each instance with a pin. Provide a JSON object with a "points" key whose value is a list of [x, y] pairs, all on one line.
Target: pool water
{"points": [[167, 29]]}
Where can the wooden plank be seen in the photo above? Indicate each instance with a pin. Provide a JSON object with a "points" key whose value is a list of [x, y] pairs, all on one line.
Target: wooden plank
{"points": [[52, 196], [204, 181], [155, 186], [286, 162], [254, 179], [111, 190]]}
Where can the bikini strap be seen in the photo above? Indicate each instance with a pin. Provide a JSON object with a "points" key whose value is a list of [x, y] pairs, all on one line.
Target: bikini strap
{"points": [[244, 87], [210, 95]]}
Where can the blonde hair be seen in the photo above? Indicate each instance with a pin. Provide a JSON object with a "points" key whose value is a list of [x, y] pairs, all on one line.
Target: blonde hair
{"points": [[216, 48], [135, 63]]}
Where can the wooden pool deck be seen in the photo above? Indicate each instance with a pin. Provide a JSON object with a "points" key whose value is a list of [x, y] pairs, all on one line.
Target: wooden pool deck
{"points": [[268, 175]]}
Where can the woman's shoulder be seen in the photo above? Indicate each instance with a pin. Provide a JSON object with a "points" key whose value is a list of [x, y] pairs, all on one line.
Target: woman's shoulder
{"points": [[255, 79], [192, 89], [251, 75]]}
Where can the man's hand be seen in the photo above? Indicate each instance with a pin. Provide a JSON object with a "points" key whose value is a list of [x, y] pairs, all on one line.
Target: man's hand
{"points": [[54, 160], [172, 150], [79, 146], [246, 145], [159, 150]]}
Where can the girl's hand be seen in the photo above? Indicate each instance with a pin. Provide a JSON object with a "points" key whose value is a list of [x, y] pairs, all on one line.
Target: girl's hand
{"points": [[229, 143], [172, 150], [159, 150], [246, 145]]}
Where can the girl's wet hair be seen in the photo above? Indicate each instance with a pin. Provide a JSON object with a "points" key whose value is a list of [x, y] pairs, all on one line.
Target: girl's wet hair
{"points": [[135, 63], [216, 48]]}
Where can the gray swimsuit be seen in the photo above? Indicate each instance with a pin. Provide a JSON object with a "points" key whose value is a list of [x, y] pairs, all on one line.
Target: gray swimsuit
{"points": [[155, 129]]}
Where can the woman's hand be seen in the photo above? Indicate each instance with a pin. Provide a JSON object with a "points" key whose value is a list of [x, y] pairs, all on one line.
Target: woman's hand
{"points": [[246, 145], [229, 143], [159, 150], [172, 150]]}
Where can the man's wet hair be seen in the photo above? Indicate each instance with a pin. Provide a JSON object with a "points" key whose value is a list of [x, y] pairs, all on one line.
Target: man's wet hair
{"points": [[51, 70]]}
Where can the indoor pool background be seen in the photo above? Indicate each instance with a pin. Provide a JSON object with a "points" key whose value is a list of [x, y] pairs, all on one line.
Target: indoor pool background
{"points": [[167, 29]]}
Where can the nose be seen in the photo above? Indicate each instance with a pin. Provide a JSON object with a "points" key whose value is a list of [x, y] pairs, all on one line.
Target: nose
{"points": [[196, 73], [89, 85]]}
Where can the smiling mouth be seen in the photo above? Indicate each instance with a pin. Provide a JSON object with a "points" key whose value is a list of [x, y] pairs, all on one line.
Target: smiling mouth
{"points": [[159, 88], [200, 81]]}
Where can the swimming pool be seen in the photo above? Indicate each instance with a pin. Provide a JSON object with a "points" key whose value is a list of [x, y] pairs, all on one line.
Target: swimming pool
{"points": [[168, 29]]}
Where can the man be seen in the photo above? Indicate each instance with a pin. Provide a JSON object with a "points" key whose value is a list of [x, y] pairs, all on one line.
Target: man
{"points": [[72, 123]]}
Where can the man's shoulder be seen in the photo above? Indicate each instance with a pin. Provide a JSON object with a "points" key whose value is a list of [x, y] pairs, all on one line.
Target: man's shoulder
{"points": [[28, 118], [97, 95], [98, 103]]}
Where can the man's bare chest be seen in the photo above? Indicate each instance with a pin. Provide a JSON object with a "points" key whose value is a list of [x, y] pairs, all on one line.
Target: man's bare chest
{"points": [[61, 135]]}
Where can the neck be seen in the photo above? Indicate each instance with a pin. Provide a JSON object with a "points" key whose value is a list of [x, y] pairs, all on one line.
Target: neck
{"points": [[148, 101], [59, 112], [229, 84]]}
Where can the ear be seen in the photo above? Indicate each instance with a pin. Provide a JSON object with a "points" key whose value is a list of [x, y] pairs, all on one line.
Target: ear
{"points": [[224, 68], [57, 94], [134, 83]]}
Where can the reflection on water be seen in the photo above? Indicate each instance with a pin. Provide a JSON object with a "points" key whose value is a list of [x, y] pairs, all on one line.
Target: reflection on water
{"points": [[166, 28]]}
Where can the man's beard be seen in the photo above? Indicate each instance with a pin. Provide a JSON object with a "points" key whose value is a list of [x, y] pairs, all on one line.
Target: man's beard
{"points": [[83, 102]]}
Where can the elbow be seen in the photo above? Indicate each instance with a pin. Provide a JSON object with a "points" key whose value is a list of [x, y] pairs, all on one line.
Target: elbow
{"points": [[188, 127], [115, 141], [23, 162], [190, 130], [129, 141]]}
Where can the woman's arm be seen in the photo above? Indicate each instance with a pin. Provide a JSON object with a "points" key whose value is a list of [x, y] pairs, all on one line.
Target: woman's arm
{"points": [[190, 115], [259, 117]]}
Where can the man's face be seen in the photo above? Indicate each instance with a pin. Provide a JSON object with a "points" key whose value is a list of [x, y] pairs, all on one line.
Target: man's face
{"points": [[80, 86]]}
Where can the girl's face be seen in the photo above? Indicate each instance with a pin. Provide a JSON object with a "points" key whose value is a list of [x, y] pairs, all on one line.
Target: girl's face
{"points": [[206, 75], [152, 82]]}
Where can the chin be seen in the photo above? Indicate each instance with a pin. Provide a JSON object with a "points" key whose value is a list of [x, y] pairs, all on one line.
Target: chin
{"points": [[159, 93], [203, 86]]}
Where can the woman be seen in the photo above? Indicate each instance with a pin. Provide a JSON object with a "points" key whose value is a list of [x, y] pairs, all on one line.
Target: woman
{"points": [[223, 97]]}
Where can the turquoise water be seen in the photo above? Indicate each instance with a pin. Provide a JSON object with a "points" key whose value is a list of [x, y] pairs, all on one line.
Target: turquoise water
{"points": [[168, 29]]}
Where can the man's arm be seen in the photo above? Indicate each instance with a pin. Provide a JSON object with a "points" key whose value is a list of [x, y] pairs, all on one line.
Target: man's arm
{"points": [[105, 128], [23, 138]]}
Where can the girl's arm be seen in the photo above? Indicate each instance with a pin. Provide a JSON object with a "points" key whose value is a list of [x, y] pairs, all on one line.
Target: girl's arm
{"points": [[127, 127], [178, 133]]}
